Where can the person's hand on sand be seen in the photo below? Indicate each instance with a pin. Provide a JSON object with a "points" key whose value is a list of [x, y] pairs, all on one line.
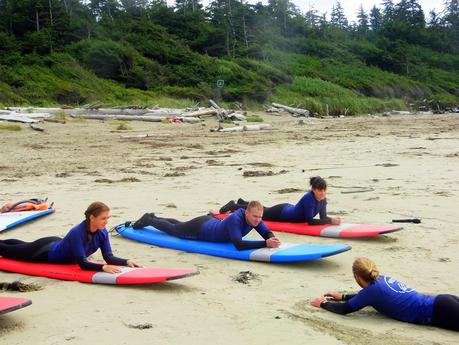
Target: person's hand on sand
{"points": [[336, 296], [111, 269], [133, 264], [273, 242], [336, 220], [317, 301]]}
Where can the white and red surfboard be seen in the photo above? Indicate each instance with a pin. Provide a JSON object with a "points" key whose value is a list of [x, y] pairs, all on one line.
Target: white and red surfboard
{"points": [[8, 304], [73, 272], [327, 230]]}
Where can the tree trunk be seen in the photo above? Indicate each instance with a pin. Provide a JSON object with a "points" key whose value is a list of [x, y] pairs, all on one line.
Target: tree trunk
{"points": [[37, 21], [244, 27], [50, 13]]}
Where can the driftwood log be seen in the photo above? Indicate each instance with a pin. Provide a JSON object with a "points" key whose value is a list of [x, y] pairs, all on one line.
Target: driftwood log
{"points": [[291, 110], [137, 118], [17, 118], [245, 128]]}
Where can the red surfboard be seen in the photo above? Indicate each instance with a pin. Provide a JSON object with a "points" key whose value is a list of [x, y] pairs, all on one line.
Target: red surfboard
{"points": [[8, 304], [73, 272], [327, 230]]}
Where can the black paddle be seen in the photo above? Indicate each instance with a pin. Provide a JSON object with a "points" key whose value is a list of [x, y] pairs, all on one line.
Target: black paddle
{"points": [[407, 220]]}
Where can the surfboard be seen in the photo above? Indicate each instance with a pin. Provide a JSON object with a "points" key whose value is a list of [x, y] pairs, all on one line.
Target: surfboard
{"points": [[285, 253], [11, 219], [328, 230], [8, 304], [128, 275]]}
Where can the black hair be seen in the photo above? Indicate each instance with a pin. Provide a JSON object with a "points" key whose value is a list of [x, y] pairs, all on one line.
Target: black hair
{"points": [[318, 182]]}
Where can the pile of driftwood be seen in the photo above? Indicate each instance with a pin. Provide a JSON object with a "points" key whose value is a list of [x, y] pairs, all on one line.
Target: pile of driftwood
{"points": [[128, 113], [157, 114], [244, 128], [135, 113], [30, 116]]}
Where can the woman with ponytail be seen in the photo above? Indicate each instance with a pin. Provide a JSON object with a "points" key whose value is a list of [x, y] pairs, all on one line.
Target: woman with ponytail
{"points": [[311, 204], [392, 298], [81, 241]]}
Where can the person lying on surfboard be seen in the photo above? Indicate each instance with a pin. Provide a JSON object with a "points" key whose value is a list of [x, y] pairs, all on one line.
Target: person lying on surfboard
{"points": [[207, 228], [312, 203], [393, 299], [81, 241]]}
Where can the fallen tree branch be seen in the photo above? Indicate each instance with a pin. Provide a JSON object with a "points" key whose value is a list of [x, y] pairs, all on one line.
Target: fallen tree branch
{"points": [[291, 110], [244, 128]]}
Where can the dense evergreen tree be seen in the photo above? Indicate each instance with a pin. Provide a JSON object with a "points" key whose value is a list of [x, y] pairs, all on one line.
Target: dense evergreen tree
{"points": [[148, 44]]}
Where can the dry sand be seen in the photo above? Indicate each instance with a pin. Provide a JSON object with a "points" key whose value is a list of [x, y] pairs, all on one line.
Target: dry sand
{"points": [[409, 164]]}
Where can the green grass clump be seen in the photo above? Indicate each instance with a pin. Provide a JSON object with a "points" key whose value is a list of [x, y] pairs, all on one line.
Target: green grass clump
{"points": [[254, 118], [121, 125], [9, 127]]}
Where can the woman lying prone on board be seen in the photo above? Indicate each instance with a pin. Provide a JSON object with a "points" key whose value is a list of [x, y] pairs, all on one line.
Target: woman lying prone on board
{"points": [[207, 228], [393, 299], [312, 203], [81, 241]]}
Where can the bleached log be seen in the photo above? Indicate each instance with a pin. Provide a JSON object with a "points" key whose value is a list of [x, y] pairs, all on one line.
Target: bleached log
{"points": [[291, 110], [162, 113], [31, 110], [246, 128], [206, 112], [237, 115], [214, 104], [189, 119], [37, 115], [401, 112], [18, 118], [120, 117], [137, 118]]}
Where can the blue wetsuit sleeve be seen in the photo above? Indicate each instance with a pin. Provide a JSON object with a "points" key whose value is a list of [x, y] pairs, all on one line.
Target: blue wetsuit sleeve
{"points": [[106, 250], [364, 298], [263, 230], [234, 226], [114, 260], [88, 266], [323, 217], [323, 213], [342, 308]]}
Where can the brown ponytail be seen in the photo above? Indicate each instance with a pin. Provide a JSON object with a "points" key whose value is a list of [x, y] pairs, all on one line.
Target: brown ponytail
{"points": [[365, 269]]}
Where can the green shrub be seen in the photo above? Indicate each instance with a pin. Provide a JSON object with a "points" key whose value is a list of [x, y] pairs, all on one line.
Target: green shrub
{"points": [[121, 125], [254, 118]]}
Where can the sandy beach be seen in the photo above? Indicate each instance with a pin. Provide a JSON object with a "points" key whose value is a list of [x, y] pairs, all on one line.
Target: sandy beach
{"points": [[377, 168]]}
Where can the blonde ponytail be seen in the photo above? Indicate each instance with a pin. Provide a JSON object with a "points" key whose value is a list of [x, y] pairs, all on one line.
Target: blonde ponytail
{"points": [[365, 269]]}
